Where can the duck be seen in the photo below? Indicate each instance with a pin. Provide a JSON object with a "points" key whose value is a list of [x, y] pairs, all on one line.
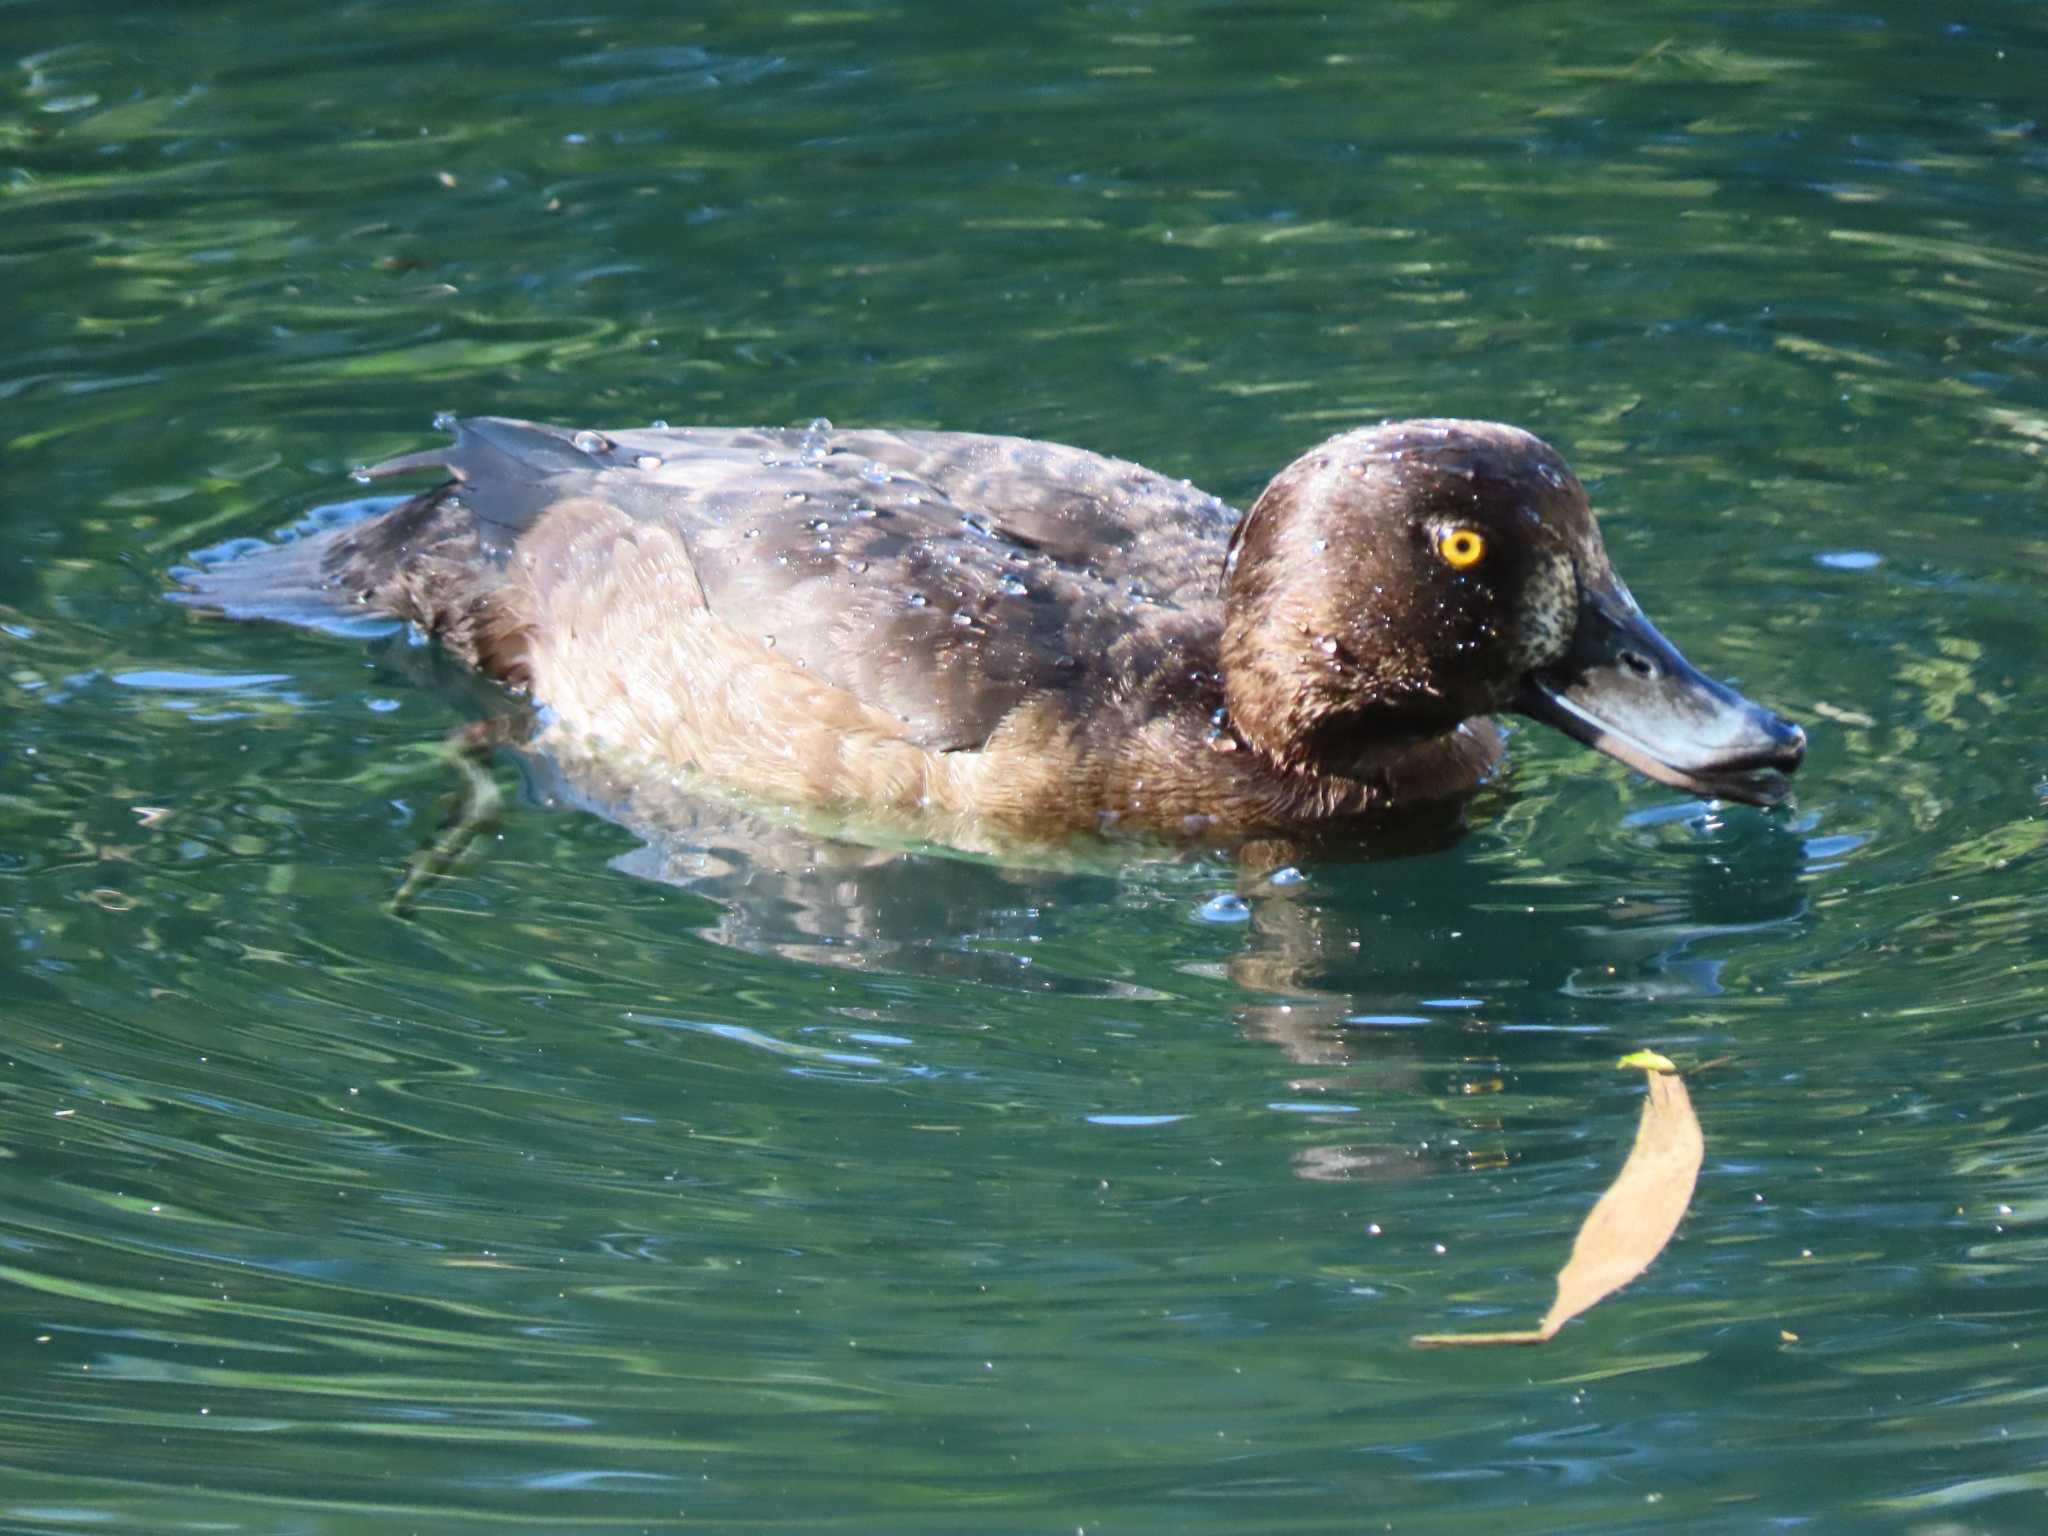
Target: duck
{"points": [[965, 631]]}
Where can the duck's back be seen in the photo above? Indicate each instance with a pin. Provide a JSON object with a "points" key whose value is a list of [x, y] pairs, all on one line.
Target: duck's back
{"points": [[942, 579]]}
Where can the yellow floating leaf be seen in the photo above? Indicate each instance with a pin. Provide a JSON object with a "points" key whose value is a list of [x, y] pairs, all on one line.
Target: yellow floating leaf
{"points": [[1630, 1224]]}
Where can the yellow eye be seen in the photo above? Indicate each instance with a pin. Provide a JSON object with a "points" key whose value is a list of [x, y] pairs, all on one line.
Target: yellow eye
{"points": [[1462, 548]]}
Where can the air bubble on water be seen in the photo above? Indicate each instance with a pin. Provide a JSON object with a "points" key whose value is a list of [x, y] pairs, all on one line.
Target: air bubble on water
{"points": [[1224, 907]]}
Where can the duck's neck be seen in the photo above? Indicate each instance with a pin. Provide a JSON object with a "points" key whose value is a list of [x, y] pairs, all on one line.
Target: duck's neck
{"points": [[1308, 714]]}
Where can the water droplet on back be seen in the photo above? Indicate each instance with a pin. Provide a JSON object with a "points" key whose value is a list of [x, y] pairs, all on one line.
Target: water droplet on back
{"points": [[810, 448], [591, 442]]}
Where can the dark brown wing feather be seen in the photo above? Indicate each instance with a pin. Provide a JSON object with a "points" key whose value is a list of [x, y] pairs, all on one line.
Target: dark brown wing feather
{"points": [[945, 577]]}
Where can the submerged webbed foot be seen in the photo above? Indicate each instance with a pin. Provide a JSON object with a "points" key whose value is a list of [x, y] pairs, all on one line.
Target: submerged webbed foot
{"points": [[476, 805]]}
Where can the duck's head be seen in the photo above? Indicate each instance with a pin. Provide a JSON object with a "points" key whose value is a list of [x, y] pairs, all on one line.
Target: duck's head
{"points": [[1405, 577]]}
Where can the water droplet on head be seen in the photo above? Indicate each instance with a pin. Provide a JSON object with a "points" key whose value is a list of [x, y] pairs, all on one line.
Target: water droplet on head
{"points": [[657, 425], [1012, 587], [915, 600], [591, 442], [648, 461], [1327, 644], [962, 619], [444, 421], [361, 474], [874, 473]]}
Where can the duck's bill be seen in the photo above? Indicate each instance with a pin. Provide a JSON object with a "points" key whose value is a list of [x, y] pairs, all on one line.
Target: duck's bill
{"points": [[1623, 689]]}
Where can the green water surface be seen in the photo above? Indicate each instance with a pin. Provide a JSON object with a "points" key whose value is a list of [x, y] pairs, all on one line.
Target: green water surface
{"points": [[805, 1190]]}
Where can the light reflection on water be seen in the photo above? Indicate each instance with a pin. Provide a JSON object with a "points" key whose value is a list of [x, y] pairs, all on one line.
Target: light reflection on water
{"points": [[748, 1186]]}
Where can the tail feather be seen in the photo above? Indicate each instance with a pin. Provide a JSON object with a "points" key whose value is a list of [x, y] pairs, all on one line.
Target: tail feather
{"points": [[436, 559], [290, 582]]}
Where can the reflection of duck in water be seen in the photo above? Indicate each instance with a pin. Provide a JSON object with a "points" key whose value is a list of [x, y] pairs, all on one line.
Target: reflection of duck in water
{"points": [[985, 638]]}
